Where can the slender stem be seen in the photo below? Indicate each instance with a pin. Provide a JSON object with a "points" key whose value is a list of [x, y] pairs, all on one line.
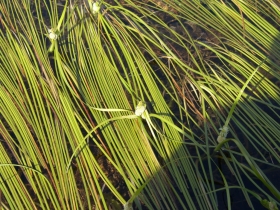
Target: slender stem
{"points": [[241, 92]]}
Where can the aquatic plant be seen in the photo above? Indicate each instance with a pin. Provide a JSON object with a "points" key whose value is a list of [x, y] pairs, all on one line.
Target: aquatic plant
{"points": [[118, 104]]}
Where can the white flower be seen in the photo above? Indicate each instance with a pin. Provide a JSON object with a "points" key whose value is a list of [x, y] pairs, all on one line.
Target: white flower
{"points": [[52, 35], [95, 7], [140, 109]]}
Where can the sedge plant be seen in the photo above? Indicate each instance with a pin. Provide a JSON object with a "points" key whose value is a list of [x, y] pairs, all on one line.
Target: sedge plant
{"points": [[80, 94]]}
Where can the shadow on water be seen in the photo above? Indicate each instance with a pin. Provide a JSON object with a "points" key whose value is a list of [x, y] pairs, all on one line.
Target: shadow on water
{"points": [[219, 160]]}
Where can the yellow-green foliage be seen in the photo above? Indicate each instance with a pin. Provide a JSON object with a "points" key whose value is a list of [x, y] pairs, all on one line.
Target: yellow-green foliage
{"points": [[73, 72]]}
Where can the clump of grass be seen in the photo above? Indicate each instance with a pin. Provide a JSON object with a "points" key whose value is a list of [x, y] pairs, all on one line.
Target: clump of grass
{"points": [[71, 80]]}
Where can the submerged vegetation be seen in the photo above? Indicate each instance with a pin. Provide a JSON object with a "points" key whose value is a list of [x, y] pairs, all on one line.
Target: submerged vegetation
{"points": [[151, 104]]}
